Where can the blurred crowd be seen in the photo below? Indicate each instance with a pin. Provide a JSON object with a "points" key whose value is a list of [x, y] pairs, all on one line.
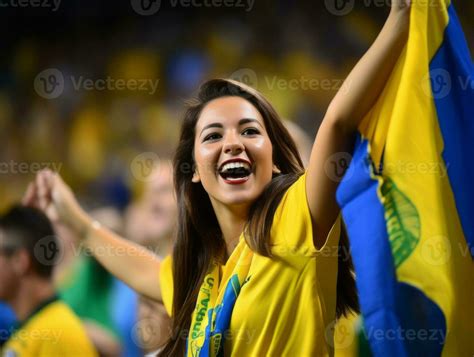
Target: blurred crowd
{"points": [[123, 80], [296, 53]]}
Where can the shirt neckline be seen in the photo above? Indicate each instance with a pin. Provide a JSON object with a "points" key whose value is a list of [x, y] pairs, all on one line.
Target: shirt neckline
{"points": [[35, 311]]}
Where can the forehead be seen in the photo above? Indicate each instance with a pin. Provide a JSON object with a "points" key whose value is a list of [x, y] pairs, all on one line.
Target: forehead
{"points": [[161, 176], [162, 171], [228, 110]]}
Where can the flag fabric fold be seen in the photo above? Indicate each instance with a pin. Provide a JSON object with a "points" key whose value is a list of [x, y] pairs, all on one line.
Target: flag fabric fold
{"points": [[408, 197]]}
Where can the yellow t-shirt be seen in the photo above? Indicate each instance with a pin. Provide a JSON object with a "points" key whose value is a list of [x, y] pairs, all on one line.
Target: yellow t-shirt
{"points": [[52, 331], [288, 306]]}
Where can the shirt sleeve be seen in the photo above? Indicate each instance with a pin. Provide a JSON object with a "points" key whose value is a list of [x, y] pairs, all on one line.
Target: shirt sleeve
{"points": [[292, 229], [166, 283]]}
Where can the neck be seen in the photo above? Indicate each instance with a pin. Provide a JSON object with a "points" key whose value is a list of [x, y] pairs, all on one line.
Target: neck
{"points": [[31, 293], [231, 220]]}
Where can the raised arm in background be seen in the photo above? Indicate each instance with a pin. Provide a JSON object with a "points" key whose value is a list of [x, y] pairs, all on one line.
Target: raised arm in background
{"points": [[130, 262]]}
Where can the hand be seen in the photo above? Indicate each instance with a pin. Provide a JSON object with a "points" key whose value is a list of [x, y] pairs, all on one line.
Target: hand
{"points": [[400, 16], [51, 195], [401, 8], [401, 5]]}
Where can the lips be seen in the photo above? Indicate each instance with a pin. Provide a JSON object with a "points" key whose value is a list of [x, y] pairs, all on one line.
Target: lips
{"points": [[235, 170], [236, 181]]}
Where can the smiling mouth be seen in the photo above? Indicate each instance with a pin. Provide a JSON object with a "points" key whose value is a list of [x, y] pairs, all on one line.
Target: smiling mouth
{"points": [[235, 171]]}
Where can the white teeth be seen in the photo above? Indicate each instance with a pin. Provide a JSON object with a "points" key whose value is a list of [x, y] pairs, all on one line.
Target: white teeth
{"points": [[234, 165]]}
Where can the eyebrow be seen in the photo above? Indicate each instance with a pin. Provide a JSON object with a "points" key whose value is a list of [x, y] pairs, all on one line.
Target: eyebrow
{"points": [[241, 122]]}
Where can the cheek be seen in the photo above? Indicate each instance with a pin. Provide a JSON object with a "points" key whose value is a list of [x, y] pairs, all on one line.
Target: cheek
{"points": [[265, 151], [206, 159], [7, 277], [170, 204]]}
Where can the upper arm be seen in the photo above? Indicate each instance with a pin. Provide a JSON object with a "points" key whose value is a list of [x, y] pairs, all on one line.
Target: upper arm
{"points": [[329, 157]]}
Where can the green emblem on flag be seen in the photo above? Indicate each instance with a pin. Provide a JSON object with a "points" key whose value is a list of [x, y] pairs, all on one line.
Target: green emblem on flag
{"points": [[402, 220]]}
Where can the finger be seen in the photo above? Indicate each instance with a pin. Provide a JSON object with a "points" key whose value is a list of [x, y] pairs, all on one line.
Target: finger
{"points": [[48, 180], [30, 195], [54, 182], [57, 179], [42, 190]]}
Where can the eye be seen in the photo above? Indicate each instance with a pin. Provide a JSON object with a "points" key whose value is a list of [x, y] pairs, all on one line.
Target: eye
{"points": [[250, 131], [212, 136]]}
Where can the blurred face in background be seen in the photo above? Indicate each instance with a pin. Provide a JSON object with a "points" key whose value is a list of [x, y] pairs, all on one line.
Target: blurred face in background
{"points": [[153, 218]]}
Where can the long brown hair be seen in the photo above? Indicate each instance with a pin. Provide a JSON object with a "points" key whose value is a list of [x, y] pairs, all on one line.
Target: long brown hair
{"points": [[199, 238]]}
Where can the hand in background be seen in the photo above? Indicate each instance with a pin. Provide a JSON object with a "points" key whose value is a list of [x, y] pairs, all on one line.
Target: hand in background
{"points": [[50, 194]]}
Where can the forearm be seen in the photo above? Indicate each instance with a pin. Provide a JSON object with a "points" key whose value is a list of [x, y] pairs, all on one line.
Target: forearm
{"points": [[367, 80], [133, 264]]}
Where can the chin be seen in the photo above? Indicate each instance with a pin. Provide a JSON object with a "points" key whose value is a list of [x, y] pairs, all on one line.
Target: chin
{"points": [[234, 196], [239, 199]]}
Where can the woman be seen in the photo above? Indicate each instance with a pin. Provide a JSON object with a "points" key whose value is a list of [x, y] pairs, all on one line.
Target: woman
{"points": [[254, 270]]}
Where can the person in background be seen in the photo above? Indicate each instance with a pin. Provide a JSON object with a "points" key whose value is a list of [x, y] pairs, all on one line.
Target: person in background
{"points": [[7, 322], [28, 251], [151, 222], [90, 290]]}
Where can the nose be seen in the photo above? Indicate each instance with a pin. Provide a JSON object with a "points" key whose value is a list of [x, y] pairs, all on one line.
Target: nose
{"points": [[233, 145]]}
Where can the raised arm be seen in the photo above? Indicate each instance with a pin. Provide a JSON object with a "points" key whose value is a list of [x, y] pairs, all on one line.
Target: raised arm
{"points": [[130, 262], [358, 94]]}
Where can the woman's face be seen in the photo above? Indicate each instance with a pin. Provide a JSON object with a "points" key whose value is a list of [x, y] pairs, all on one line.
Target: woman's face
{"points": [[232, 151]]}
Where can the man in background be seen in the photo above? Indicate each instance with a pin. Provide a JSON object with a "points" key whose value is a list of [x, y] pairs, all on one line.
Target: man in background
{"points": [[28, 252]]}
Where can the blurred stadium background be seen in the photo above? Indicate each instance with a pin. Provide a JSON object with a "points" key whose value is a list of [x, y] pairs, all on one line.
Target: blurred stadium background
{"points": [[295, 52]]}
